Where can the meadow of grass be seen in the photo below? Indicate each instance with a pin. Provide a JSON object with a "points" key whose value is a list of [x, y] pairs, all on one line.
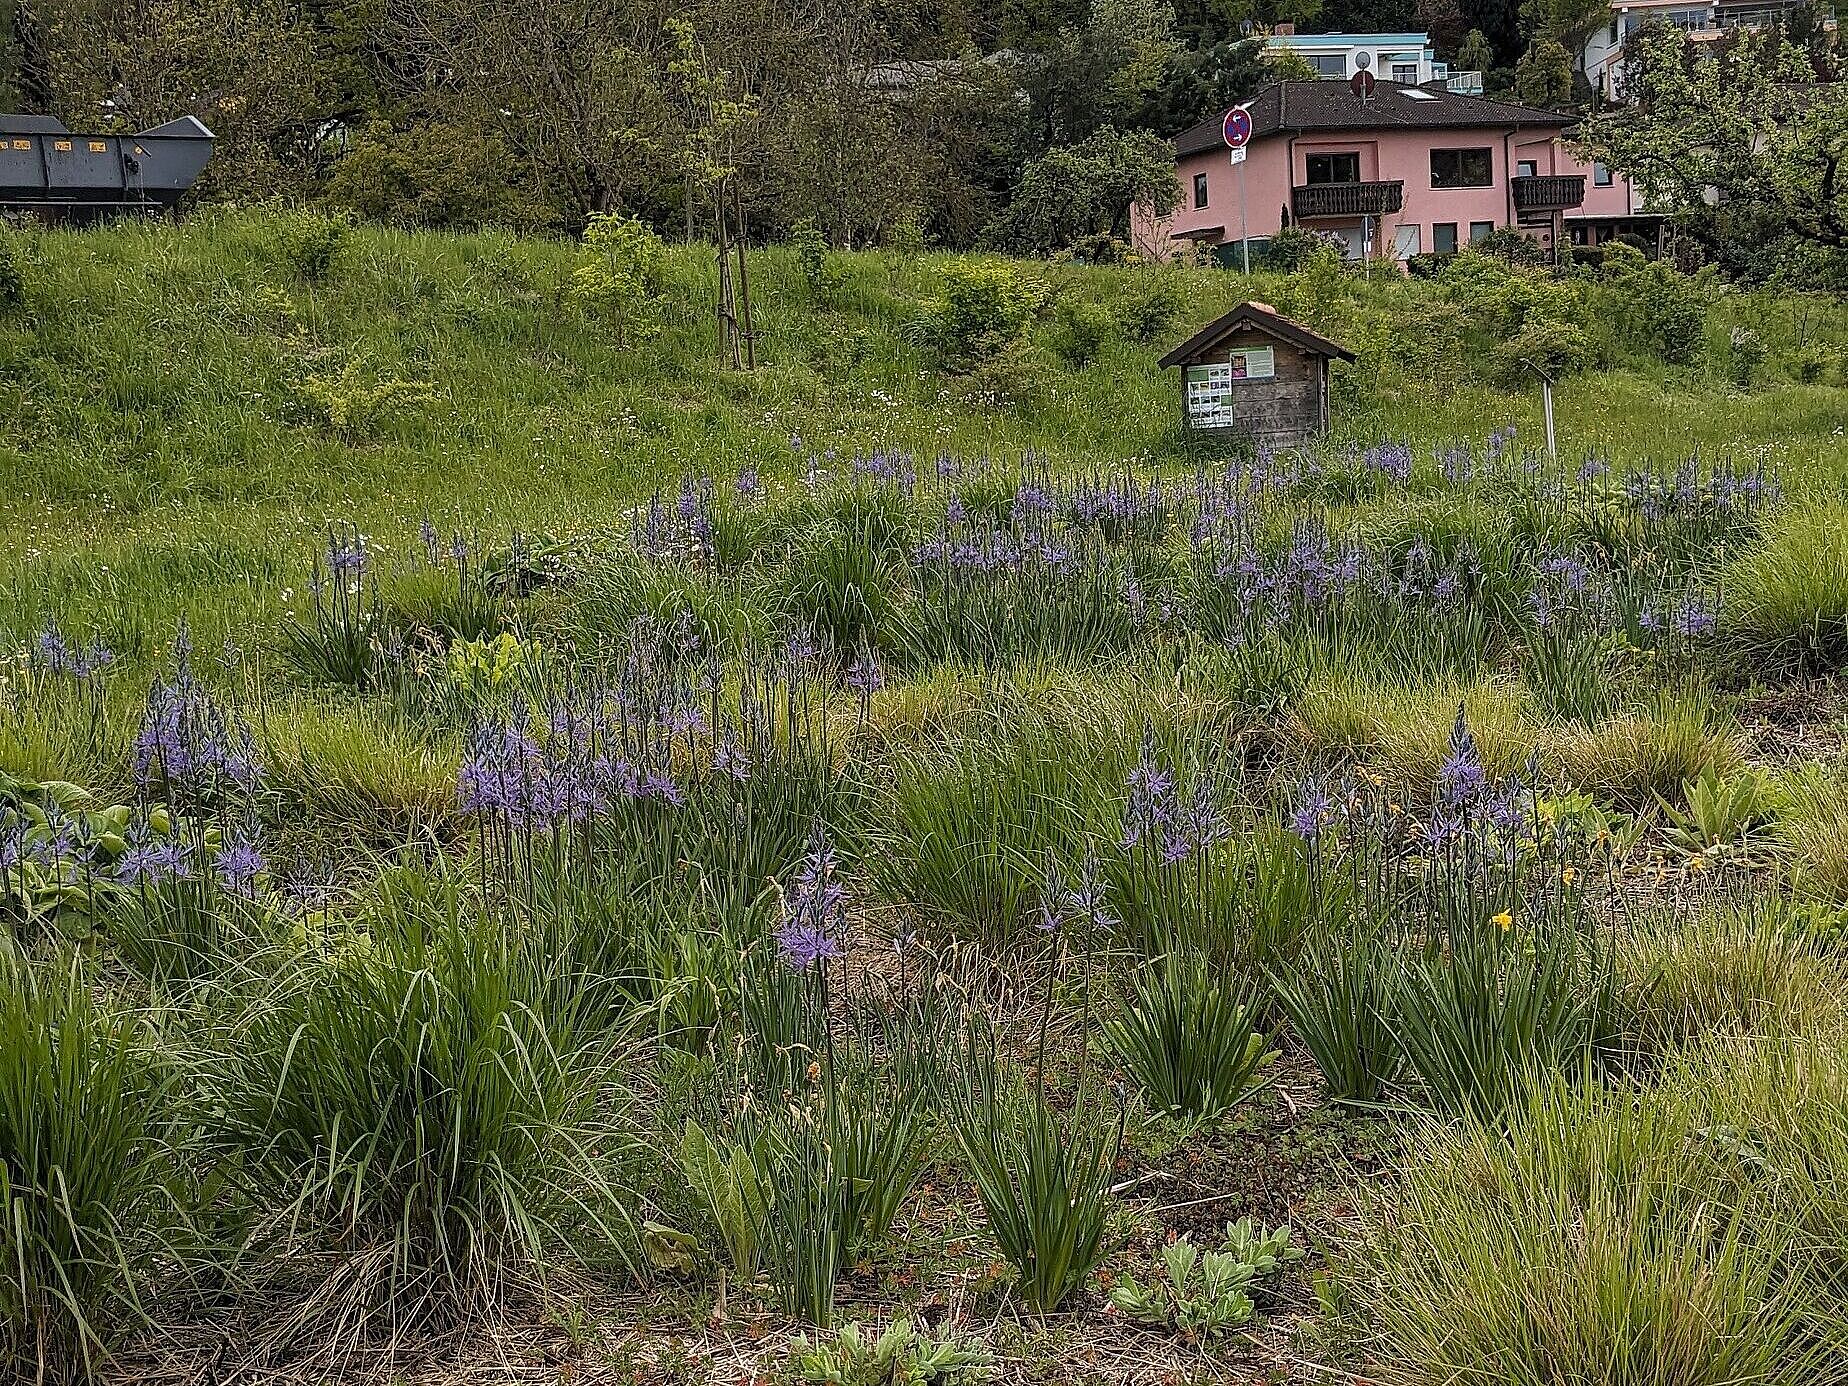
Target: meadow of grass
{"points": [[516, 842]]}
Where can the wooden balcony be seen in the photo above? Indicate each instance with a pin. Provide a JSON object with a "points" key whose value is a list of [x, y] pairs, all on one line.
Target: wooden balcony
{"points": [[1549, 192], [1315, 200]]}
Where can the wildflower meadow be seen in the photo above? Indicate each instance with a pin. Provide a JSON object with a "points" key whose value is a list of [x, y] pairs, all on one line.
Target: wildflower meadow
{"points": [[939, 907]]}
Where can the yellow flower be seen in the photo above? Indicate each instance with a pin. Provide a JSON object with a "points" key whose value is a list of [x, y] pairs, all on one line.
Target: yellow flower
{"points": [[1503, 921], [1569, 875], [1697, 862]]}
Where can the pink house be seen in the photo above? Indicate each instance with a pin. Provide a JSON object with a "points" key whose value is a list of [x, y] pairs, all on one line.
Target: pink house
{"points": [[1403, 171]]}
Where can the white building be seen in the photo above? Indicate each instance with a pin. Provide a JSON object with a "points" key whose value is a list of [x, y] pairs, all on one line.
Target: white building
{"points": [[1601, 58], [1407, 59]]}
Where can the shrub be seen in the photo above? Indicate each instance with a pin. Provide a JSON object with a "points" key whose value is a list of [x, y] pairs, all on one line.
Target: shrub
{"points": [[309, 243], [356, 401], [1147, 313], [438, 175], [987, 306], [1746, 354], [87, 1175], [1787, 594], [1657, 307], [621, 270], [1515, 247], [1557, 348], [819, 271], [1080, 195], [1079, 332], [1290, 250]]}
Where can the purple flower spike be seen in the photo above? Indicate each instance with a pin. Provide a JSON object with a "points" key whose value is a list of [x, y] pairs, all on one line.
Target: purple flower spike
{"points": [[1312, 812], [815, 909], [238, 864], [801, 946]]}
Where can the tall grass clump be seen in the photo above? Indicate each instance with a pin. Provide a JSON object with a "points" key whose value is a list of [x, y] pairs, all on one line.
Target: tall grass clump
{"points": [[91, 1210], [1787, 594], [1341, 998], [1729, 971], [437, 1116], [1813, 825], [1185, 1034], [1590, 1237], [973, 822], [1044, 1180]]}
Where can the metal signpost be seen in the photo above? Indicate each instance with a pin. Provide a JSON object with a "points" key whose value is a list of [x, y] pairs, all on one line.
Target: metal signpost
{"points": [[1237, 131]]}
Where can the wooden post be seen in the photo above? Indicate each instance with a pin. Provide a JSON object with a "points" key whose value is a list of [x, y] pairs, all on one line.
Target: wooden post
{"points": [[744, 286]]}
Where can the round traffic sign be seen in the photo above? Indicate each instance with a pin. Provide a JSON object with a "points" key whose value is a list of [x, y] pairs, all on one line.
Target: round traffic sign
{"points": [[1237, 127]]}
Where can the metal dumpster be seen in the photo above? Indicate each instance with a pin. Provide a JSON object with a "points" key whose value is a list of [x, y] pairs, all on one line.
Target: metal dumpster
{"points": [[47, 169]]}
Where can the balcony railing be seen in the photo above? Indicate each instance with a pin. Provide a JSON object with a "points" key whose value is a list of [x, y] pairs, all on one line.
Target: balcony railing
{"points": [[1347, 199], [1549, 192]]}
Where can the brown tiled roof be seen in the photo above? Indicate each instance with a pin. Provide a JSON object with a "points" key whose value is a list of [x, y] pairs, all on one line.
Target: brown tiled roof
{"points": [[1263, 317], [1296, 107]]}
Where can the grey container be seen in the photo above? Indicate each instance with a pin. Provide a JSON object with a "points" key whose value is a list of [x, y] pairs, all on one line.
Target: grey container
{"points": [[46, 168]]}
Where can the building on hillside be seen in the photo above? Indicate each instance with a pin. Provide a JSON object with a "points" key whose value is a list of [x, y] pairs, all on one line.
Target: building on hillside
{"points": [[1601, 56], [1402, 171], [1407, 59], [1255, 373]]}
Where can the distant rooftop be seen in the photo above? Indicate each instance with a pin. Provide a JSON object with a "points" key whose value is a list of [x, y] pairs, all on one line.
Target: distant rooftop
{"points": [[1349, 40], [1297, 106]]}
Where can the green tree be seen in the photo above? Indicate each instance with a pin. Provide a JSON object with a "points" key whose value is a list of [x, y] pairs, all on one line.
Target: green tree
{"points": [[1745, 124], [1543, 77], [1475, 55], [1081, 195], [1203, 82], [244, 67]]}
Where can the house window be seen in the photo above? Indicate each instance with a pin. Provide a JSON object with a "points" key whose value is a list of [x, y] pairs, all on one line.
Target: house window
{"points": [[1613, 30], [1405, 242], [1601, 175], [1444, 238], [1526, 168], [1332, 168], [1405, 74], [1479, 229], [1199, 190], [1329, 64], [1462, 168]]}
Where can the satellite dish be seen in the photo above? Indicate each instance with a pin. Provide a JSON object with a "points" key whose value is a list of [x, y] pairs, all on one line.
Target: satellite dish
{"points": [[1363, 60], [1363, 83]]}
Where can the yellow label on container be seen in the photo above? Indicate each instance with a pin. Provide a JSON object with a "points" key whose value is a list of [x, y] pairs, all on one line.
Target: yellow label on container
{"points": [[22, 144], [98, 147], [62, 146]]}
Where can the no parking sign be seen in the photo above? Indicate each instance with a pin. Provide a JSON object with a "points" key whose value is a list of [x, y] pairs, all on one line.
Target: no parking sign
{"points": [[1237, 127]]}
